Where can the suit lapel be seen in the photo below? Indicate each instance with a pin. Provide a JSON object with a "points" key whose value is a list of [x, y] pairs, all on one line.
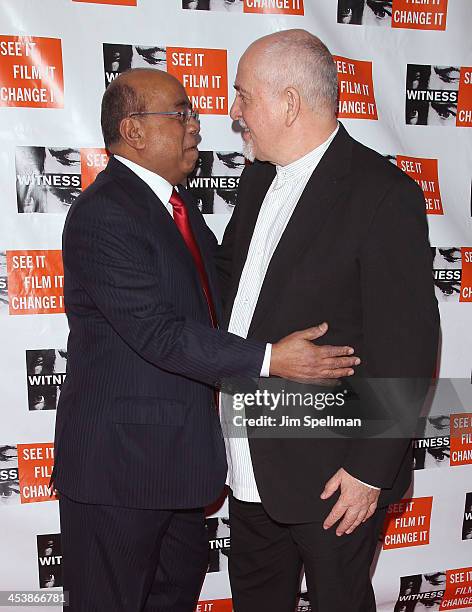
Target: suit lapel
{"points": [[323, 191], [161, 220]]}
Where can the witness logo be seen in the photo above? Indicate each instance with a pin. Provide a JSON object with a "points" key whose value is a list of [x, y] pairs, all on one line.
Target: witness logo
{"points": [[438, 95], [9, 478], [219, 543], [424, 15], [31, 73], [461, 439], [280, 7], [46, 373], [203, 72], [467, 523], [215, 179], [49, 560], [431, 452], [356, 89], [442, 590], [35, 281], [48, 179], [452, 270], [408, 523]]}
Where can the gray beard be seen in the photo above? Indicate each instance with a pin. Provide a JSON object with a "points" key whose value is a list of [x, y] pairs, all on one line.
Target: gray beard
{"points": [[248, 151]]}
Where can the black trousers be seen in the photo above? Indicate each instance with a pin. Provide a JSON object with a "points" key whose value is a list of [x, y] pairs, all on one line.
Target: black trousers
{"points": [[266, 559], [131, 560]]}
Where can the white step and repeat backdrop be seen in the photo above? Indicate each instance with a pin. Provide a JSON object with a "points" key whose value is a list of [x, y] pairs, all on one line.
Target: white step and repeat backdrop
{"points": [[405, 74]]}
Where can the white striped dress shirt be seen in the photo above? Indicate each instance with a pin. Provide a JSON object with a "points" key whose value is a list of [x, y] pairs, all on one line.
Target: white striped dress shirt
{"points": [[277, 208]]}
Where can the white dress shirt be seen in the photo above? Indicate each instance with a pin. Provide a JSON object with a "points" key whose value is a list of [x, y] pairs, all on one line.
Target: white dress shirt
{"points": [[277, 208]]}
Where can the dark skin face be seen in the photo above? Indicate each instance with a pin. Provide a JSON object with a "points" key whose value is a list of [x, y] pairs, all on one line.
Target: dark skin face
{"points": [[165, 145]]}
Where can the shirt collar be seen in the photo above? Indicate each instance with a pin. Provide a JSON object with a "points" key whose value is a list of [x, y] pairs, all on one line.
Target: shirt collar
{"points": [[307, 163], [161, 187]]}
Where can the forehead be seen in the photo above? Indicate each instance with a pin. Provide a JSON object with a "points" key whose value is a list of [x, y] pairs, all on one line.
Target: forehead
{"points": [[166, 92]]}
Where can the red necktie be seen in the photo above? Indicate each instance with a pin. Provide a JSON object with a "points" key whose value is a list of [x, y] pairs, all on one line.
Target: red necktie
{"points": [[183, 224]]}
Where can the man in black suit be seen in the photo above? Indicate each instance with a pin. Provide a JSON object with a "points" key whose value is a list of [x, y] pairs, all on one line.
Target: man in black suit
{"points": [[323, 229], [138, 447]]}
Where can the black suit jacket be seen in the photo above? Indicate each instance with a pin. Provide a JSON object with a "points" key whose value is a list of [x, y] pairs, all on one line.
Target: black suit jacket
{"points": [[136, 422], [355, 253]]}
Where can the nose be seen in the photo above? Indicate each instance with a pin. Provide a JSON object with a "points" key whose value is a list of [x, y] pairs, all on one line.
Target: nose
{"points": [[235, 111], [193, 126]]}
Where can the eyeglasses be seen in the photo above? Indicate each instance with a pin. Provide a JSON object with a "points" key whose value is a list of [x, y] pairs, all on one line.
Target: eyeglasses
{"points": [[184, 116]]}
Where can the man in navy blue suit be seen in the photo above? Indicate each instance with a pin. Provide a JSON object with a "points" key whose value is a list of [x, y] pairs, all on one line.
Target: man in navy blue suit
{"points": [[138, 449]]}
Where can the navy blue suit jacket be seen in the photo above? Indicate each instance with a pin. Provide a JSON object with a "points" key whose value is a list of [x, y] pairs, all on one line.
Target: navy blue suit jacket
{"points": [[136, 421]]}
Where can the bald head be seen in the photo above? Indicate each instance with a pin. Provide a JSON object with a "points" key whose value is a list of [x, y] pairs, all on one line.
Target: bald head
{"points": [[295, 58], [131, 92]]}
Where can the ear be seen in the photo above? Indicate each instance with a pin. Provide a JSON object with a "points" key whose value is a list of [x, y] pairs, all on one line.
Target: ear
{"points": [[292, 99], [132, 132]]}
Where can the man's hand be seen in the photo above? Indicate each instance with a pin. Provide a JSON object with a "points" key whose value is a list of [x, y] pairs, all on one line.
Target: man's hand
{"points": [[356, 504], [295, 357]]}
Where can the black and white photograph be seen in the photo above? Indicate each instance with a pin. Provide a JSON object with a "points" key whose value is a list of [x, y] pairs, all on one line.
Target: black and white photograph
{"points": [[219, 542], [46, 372], [49, 560], [431, 95], [48, 179], [117, 58], [467, 523], [447, 270], [303, 604], [365, 12], [421, 592], [215, 179], [214, 5], [9, 479]]}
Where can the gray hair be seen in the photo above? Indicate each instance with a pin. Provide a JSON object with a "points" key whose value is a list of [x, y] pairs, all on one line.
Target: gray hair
{"points": [[296, 58]]}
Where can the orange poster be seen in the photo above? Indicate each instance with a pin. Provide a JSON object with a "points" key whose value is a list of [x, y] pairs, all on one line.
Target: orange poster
{"points": [[408, 523], [466, 283], [92, 161], [356, 89], [425, 173], [31, 74], [279, 7], [215, 605], [35, 463], [204, 74], [461, 439], [35, 282], [464, 103], [458, 594], [429, 15]]}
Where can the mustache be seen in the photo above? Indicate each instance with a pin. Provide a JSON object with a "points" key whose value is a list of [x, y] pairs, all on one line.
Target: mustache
{"points": [[242, 123]]}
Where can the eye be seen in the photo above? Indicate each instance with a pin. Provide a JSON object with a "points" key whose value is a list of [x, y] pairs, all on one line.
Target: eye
{"points": [[346, 15], [445, 112], [381, 10]]}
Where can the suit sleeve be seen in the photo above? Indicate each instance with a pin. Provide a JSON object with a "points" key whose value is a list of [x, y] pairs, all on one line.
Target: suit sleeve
{"points": [[400, 323], [111, 260]]}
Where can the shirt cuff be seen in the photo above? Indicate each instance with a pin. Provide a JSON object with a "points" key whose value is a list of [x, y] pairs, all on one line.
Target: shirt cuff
{"points": [[368, 485], [265, 370]]}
